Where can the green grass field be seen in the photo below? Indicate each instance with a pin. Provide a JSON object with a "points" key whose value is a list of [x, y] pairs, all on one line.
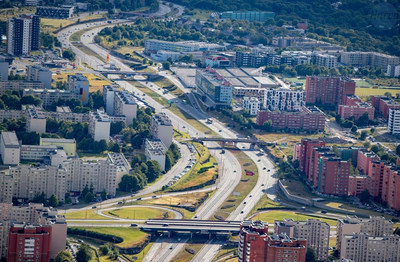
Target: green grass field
{"points": [[364, 92], [131, 236], [50, 25], [85, 214], [201, 14], [140, 213], [271, 216]]}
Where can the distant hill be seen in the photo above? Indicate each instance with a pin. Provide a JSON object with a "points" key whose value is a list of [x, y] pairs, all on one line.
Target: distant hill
{"points": [[349, 24]]}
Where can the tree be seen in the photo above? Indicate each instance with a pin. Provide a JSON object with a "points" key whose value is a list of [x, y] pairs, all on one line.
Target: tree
{"points": [[89, 197], [372, 130], [64, 256], [375, 149], [53, 201], [69, 54], [388, 94], [365, 196], [166, 65], [30, 100], [154, 170], [363, 135], [105, 249], [354, 128], [115, 148], [267, 126], [117, 127], [84, 253], [39, 198], [398, 150], [311, 256]]}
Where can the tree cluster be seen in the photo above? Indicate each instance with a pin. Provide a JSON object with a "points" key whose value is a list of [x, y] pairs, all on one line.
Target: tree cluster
{"points": [[14, 100], [236, 117]]}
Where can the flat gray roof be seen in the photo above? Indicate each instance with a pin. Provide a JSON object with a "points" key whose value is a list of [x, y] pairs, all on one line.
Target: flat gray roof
{"points": [[57, 140], [9, 139]]}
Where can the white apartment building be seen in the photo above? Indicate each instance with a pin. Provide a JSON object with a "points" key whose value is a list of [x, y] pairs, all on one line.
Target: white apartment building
{"points": [[48, 96], [393, 70], [35, 120], [108, 97], [152, 46], [372, 59], [161, 128], [36, 153], [328, 61], [15, 85], [155, 150], [68, 175], [39, 73], [252, 105], [125, 105], [394, 121], [374, 227], [361, 247], [9, 148], [4, 228], [315, 231], [284, 99], [99, 125]]}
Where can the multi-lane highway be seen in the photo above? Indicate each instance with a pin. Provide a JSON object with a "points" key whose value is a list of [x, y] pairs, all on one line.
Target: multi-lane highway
{"points": [[227, 182]]}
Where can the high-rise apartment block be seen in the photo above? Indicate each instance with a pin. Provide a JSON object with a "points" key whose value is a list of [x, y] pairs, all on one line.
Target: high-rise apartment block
{"points": [[328, 90], [9, 148], [373, 227], [313, 230], [154, 149], [394, 121], [29, 243], [353, 107], [23, 34], [125, 105], [99, 125], [328, 61], [161, 128], [80, 85], [256, 246], [35, 120], [383, 104], [39, 73]]}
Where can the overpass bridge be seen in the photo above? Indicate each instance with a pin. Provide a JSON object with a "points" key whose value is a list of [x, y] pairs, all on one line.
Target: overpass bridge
{"points": [[150, 76], [250, 141], [192, 226]]}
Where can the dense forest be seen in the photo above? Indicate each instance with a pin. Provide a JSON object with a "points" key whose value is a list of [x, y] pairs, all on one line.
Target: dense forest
{"points": [[349, 24]]}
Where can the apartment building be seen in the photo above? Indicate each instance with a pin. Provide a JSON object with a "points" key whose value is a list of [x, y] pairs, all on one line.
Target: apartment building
{"points": [[48, 96], [328, 61], [15, 85], [305, 152], [309, 119], [155, 150], [79, 84], [217, 61], [99, 125], [125, 104], [252, 105], [39, 73], [23, 34], [33, 214], [357, 184], [328, 90], [393, 71], [374, 226], [251, 59], [3, 70], [368, 59], [35, 120], [161, 128], [313, 230], [334, 176], [256, 246], [213, 88], [108, 97], [385, 104], [353, 104], [29, 243], [55, 12], [364, 158], [361, 247], [394, 121], [9, 148], [284, 99], [313, 172], [247, 15]]}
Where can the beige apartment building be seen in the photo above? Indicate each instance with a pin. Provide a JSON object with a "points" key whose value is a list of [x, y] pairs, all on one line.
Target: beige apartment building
{"points": [[371, 59], [375, 226], [161, 128], [361, 247], [313, 230]]}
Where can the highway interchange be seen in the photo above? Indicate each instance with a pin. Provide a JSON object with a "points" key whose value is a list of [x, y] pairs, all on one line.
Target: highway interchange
{"points": [[231, 168]]}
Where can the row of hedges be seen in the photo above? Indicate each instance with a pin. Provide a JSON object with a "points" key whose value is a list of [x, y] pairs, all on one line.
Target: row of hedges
{"points": [[105, 237]]}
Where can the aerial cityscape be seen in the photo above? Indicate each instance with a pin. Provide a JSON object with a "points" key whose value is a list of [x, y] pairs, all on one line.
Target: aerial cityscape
{"points": [[200, 131]]}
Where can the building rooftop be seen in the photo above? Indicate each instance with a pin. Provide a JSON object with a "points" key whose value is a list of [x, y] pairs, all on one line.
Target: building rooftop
{"points": [[126, 97], [155, 147], [63, 109], [35, 112], [57, 140], [162, 119], [99, 116], [10, 139]]}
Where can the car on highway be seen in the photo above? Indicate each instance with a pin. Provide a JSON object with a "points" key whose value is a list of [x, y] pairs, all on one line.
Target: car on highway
{"points": [[93, 207], [134, 225], [244, 203], [139, 199], [154, 196], [259, 160], [241, 212], [268, 170], [171, 247], [220, 130], [234, 171], [263, 185], [264, 168], [165, 225]]}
